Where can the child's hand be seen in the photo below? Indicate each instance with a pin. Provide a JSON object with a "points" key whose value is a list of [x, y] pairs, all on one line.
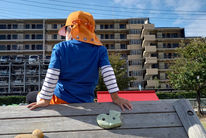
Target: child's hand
{"points": [[41, 103], [123, 103]]}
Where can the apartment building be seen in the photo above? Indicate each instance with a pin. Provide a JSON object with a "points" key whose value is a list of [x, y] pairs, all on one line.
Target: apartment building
{"points": [[26, 45]]}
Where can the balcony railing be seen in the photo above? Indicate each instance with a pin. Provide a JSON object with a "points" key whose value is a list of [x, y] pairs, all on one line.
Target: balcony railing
{"points": [[133, 36], [134, 26], [150, 60], [153, 71], [152, 83]]}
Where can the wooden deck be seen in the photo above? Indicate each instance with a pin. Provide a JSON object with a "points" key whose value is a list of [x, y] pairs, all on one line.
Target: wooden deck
{"points": [[154, 119]]}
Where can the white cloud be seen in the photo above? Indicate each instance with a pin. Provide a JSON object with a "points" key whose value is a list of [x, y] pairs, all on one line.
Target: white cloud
{"points": [[193, 26], [196, 27]]}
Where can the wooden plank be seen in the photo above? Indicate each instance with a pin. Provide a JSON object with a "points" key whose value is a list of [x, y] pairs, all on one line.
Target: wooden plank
{"points": [[80, 123], [173, 132], [189, 119], [85, 109]]}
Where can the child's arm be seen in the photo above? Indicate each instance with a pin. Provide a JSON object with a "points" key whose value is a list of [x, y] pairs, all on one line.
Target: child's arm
{"points": [[111, 84], [47, 90]]}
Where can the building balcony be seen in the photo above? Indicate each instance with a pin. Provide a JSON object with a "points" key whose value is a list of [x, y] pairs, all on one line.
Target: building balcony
{"points": [[134, 26], [114, 30], [133, 36], [174, 39], [150, 72], [148, 50], [166, 49], [20, 30], [20, 52], [149, 37], [114, 40], [164, 70], [134, 67], [20, 40], [166, 59], [152, 83], [133, 47], [150, 60], [146, 28], [131, 57]]}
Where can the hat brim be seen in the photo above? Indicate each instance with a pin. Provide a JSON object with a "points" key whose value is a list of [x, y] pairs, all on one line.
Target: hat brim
{"points": [[62, 31]]}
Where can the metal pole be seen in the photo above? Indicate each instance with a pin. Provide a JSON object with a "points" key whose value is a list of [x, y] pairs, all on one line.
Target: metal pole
{"points": [[43, 58], [39, 85], [9, 86], [24, 77]]}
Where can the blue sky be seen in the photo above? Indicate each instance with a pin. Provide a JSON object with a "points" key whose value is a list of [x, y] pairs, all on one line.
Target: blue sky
{"points": [[189, 14]]}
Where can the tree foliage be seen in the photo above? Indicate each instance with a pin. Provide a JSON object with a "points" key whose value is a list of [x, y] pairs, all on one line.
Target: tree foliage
{"points": [[120, 69], [189, 70]]}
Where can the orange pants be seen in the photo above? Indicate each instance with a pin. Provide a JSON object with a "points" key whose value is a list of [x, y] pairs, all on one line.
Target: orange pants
{"points": [[56, 100]]}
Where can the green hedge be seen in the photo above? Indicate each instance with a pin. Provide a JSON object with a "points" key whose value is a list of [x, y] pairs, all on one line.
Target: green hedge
{"points": [[8, 100], [178, 95]]}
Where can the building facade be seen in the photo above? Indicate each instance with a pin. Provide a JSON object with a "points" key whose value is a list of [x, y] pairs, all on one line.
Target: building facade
{"points": [[26, 45]]}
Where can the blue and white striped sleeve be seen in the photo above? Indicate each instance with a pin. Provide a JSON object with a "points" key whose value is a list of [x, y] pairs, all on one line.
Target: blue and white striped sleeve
{"points": [[49, 84], [109, 78]]}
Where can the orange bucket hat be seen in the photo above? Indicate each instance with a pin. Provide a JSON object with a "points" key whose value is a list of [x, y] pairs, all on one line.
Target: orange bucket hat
{"points": [[82, 27]]}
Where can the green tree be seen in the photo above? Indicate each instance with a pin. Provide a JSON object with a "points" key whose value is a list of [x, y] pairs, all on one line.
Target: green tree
{"points": [[189, 70], [120, 69]]}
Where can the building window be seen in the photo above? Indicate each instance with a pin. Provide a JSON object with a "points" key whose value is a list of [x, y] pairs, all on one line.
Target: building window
{"points": [[55, 36], [166, 65], [2, 37], [27, 26], [136, 52], [39, 26], [33, 36], [135, 62], [154, 65], [15, 26], [135, 73], [102, 36], [111, 26], [112, 46], [174, 35], [2, 47], [106, 36], [106, 26], [62, 37], [111, 36], [14, 36], [122, 26], [8, 47], [123, 36], [33, 47], [123, 46], [27, 36], [134, 31], [39, 36], [39, 47], [33, 26], [14, 47], [2, 26], [135, 41], [137, 21], [54, 26], [168, 45], [175, 45], [9, 26], [9, 37], [107, 46], [26, 47]]}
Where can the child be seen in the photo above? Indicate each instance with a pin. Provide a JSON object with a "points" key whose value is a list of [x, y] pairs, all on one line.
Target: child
{"points": [[72, 74]]}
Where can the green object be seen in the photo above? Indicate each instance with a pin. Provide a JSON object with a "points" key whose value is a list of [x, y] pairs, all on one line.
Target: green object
{"points": [[110, 120]]}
